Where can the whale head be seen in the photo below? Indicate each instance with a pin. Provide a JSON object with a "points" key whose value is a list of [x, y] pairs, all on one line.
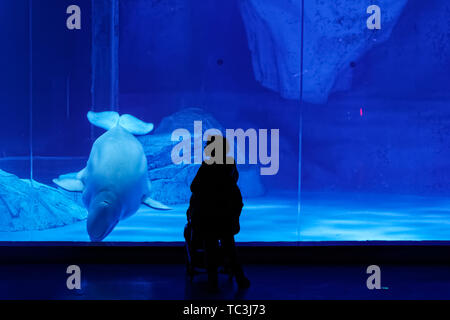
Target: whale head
{"points": [[103, 215]]}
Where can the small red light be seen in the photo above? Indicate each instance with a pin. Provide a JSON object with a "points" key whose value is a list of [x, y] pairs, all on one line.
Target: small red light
{"points": [[360, 112]]}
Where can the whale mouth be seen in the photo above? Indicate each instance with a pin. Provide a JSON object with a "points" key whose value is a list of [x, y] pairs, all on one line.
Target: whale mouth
{"points": [[99, 237], [104, 214]]}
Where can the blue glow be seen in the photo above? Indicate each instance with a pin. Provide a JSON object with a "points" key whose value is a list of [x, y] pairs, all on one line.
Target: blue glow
{"points": [[363, 114]]}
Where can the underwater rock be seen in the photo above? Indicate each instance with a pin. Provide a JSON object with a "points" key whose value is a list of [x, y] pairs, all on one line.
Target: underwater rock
{"points": [[34, 206], [170, 182], [335, 34], [185, 119], [273, 29]]}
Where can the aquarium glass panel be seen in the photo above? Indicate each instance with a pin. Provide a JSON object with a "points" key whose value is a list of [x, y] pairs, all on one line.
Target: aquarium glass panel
{"points": [[16, 192], [103, 98], [196, 66], [335, 112], [376, 121], [61, 99]]}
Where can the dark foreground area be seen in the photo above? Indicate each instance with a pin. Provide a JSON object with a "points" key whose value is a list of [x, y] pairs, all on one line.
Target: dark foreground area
{"points": [[269, 281]]}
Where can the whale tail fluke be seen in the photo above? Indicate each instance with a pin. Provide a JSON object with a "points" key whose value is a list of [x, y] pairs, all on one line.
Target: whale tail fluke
{"points": [[105, 120], [134, 125], [109, 119]]}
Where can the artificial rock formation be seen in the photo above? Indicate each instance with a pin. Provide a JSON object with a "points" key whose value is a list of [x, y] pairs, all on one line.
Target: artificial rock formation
{"points": [[335, 35], [170, 182], [26, 205]]}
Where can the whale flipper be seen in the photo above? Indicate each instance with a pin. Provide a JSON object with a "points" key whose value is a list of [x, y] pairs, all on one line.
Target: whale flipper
{"points": [[71, 181], [69, 184], [154, 204], [106, 120], [72, 175], [134, 125]]}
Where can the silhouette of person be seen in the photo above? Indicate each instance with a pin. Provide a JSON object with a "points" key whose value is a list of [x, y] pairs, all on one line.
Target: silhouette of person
{"points": [[215, 208]]}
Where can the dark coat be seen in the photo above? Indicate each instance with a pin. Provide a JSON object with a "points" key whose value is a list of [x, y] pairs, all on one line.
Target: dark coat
{"points": [[216, 200]]}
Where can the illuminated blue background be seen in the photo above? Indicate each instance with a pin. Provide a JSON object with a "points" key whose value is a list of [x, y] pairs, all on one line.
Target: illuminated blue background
{"points": [[373, 124]]}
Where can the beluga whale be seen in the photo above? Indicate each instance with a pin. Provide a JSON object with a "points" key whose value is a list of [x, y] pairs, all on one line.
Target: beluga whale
{"points": [[115, 181]]}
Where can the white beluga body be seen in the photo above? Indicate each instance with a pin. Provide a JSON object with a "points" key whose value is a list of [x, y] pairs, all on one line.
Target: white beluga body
{"points": [[115, 180]]}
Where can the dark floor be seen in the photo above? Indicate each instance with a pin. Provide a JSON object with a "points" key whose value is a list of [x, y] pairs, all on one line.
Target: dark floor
{"points": [[141, 281]]}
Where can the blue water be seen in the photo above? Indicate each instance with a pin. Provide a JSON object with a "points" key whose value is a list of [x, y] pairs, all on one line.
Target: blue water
{"points": [[324, 217]]}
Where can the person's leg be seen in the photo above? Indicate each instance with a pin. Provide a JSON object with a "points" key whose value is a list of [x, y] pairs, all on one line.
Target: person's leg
{"points": [[211, 251], [229, 249]]}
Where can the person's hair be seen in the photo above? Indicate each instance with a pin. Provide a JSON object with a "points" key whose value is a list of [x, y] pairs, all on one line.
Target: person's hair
{"points": [[225, 144]]}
